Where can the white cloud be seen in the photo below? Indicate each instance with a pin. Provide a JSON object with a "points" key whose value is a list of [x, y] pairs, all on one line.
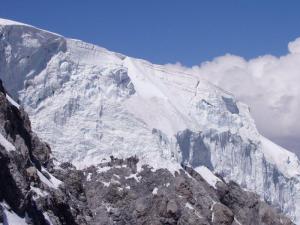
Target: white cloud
{"points": [[269, 84], [294, 47]]}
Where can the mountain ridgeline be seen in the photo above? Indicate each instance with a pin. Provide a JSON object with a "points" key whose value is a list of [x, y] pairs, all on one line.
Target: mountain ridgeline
{"points": [[134, 142]]}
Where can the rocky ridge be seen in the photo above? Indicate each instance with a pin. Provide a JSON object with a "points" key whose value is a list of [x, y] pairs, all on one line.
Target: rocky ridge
{"points": [[119, 194]]}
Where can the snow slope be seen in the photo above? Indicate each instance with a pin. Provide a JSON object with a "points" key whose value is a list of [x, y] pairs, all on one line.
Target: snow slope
{"points": [[10, 218], [208, 176], [90, 103], [6, 144]]}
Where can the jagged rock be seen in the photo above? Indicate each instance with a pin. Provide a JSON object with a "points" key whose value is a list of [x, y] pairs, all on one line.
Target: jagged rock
{"points": [[72, 179], [141, 207], [251, 209], [28, 189], [222, 215], [172, 208], [15, 187], [41, 150], [31, 173], [116, 194], [2, 89], [1, 209]]}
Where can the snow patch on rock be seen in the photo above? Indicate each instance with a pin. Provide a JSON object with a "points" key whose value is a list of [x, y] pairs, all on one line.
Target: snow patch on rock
{"points": [[10, 217], [6, 144], [208, 176], [13, 102]]}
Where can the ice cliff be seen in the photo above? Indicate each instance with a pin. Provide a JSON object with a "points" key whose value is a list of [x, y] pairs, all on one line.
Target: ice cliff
{"points": [[90, 103]]}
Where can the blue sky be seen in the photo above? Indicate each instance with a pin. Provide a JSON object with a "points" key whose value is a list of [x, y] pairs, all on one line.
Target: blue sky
{"points": [[165, 31]]}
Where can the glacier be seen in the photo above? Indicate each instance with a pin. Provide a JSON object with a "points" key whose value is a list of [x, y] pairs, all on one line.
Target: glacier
{"points": [[90, 103]]}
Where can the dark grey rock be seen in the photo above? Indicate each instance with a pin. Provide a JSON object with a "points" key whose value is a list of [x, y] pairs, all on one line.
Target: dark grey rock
{"points": [[20, 169], [121, 195], [40, 150], [1, 214], [222, 215]]}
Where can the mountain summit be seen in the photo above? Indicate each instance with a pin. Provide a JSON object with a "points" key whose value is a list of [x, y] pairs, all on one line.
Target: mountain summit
{"points": [[90, 104]]}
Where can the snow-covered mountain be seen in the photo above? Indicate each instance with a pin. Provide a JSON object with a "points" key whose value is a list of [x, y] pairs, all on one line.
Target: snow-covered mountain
{"points": [[90, 103], [37, 191]]}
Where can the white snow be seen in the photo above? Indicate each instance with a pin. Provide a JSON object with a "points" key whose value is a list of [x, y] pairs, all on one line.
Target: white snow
{"points": [[106, 184], [39, 192], [189, 206], [88, 177], [7, 22], [11, 22], [207, 175], [6, 144], [155, 190], [114, 181], [155, 96], [120, 189], [212, 209], [12, 101], [10, 217], [53, 179], [236, 220], [103, 169], [117, 176], [47, 218], [135, 176], [52, 182], [286, 161]]}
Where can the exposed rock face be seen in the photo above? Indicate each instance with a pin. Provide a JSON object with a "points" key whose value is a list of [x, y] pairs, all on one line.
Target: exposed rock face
{"points": [[28, 193], [250, 209], [119, 194]]}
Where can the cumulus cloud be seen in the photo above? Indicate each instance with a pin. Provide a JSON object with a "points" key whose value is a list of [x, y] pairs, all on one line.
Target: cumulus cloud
{"points": [[269, 85]]}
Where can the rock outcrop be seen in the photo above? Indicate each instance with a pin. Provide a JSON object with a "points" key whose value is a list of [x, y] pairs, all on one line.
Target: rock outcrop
{"points": [[117, 193], [29, 194]]}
